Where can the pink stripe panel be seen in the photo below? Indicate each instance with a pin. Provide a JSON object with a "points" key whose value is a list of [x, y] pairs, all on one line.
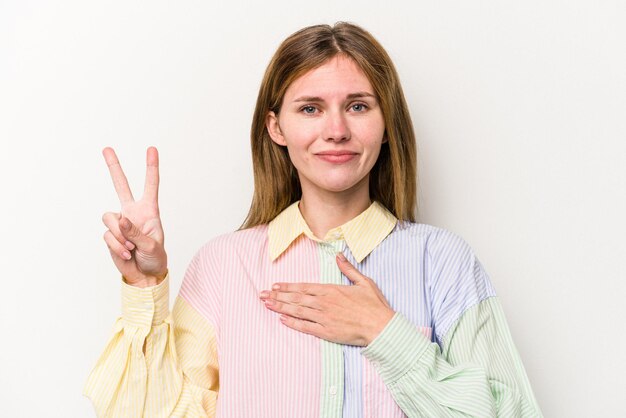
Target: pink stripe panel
{"points": [[266, 369]]}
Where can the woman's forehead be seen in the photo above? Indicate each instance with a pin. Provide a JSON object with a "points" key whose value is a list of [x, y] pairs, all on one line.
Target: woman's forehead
{"points": [[340, 76]]}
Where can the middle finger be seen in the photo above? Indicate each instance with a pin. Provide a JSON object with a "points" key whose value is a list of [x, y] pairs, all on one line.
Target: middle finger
{"points": [[293, 298], [296, 311]]}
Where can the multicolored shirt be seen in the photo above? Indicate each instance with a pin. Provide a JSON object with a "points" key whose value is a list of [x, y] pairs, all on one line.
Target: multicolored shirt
{"points": [[220, 352]]}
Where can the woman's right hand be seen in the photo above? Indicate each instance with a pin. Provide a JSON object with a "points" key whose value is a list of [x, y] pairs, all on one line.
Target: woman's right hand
{"points": [[135, 235]]}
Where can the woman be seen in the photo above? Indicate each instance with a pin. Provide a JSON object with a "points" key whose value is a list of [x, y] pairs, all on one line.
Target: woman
{"points": [[330, 301]]}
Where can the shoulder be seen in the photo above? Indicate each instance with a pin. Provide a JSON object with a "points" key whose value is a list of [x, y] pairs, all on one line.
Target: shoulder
{"points": [[207, 265], [436, 242], [449, 261], [231, 241], [454, 276]]}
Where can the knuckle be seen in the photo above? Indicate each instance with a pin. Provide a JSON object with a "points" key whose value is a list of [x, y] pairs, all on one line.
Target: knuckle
{"points": [[108, 236], [323, 334], [304, 326], [107, 217], [111, 237], [130, 233], [150, 246]]}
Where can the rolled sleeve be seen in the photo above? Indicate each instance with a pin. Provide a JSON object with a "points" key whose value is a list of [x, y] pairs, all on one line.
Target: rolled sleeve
{"points": [[396, 349], [145, 307]]}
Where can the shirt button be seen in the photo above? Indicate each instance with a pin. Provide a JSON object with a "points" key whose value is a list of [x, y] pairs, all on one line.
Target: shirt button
{"points": [[332, 390]]}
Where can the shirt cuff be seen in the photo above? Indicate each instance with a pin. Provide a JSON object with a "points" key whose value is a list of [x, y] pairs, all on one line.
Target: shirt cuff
{"points": [[147, 306], [396, 349]]}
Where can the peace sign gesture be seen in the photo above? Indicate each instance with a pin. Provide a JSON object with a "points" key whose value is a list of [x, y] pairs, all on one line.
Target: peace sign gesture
{"points": [[135, 235]]}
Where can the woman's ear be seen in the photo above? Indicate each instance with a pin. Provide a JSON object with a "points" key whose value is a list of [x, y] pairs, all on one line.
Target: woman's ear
{"points": [[273, 128]]}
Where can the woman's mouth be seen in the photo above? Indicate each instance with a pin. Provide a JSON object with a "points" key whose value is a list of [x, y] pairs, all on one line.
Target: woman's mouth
{"points": [[336, 156]]}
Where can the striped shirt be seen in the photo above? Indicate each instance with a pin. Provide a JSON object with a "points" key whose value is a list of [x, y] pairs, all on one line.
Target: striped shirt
{"points": [[447, 351]]}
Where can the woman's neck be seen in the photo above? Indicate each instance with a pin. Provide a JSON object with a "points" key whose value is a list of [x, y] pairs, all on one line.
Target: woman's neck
{"points": [[327, 211]]}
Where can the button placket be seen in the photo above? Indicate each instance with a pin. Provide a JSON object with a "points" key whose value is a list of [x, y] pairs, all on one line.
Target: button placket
{"points": [[332, 353]]}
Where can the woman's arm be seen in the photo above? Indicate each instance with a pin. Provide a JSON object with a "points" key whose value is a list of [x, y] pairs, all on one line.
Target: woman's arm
{"points": [[473, 369], [156, 364], [478, 373]]}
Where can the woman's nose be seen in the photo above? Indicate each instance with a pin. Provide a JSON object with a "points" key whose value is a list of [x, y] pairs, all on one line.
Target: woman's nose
{"points": [[336, 127]]}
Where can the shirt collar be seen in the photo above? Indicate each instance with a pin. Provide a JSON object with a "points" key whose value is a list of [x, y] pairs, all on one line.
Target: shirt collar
{"points": [[362, 233]]}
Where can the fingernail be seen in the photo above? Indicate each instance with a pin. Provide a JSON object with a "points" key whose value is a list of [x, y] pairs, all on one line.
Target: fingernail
{"points": [[276, 287], [269, 302], [341, 256], [130, 245], [126, 255], [264, 294]]}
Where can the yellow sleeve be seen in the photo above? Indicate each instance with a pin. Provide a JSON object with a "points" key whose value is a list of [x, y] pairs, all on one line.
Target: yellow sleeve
{"points": [[156, 364]]}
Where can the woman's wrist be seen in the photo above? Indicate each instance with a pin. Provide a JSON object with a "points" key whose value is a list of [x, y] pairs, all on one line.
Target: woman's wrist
{"points": [[147, 280], [379, 326]]}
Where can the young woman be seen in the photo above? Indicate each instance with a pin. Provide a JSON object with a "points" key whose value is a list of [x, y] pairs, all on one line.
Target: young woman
{"points": [[330, 301]]}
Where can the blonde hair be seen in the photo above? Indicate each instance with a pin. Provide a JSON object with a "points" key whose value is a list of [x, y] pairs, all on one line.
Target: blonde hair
{"points": [[393, 179]]}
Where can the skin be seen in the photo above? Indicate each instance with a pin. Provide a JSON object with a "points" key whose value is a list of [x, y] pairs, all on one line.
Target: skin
{"points": [[317, 116], [330, 109], [352, 315], [134, 235]]}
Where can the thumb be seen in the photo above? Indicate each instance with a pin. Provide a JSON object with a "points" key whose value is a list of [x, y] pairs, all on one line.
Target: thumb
{"points": [[349, 270], [134, 235]]}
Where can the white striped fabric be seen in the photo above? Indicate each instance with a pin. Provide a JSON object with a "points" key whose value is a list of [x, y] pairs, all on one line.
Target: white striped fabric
{"points": [[446, 352]]}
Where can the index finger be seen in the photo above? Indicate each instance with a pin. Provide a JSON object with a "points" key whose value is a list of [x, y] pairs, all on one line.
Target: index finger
{"points": [[313, 289], [151, 189], [117, 174]]}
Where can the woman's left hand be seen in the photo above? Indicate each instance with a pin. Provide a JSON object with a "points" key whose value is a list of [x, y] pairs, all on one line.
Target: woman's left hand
{"points": [[352, 315]]}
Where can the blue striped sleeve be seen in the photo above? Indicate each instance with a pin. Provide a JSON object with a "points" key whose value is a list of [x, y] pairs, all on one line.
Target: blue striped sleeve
{"points": [[455, 279]]}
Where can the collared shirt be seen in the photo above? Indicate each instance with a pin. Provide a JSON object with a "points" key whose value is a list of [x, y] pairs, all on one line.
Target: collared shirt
{"points": [[447, 351]]}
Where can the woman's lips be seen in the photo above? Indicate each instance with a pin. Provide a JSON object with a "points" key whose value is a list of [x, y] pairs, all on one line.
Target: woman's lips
{"points": [[336, 157]]}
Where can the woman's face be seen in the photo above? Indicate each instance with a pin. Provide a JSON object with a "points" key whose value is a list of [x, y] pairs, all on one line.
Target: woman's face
{"points": [[333, 127]]}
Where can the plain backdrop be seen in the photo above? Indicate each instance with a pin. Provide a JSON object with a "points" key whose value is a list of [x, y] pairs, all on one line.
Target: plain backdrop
{"points": [[519, 110]]}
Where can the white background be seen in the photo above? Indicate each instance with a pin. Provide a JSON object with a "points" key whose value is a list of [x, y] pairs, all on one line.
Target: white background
{"points": [[519, 109]]}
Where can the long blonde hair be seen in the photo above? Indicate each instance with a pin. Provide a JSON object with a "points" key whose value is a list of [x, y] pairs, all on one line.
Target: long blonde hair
{"points": [[393, 179]]}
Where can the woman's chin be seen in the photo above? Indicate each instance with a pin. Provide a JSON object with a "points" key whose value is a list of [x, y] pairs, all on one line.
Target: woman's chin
{"points": [[343, 186]]}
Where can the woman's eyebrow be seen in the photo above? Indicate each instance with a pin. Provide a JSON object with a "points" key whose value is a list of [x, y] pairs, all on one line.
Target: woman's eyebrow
{"points": [[309, 99], [350, 96], [360, 95]]}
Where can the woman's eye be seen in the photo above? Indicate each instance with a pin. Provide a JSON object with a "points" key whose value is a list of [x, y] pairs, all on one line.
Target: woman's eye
{"points": [[359, 107], [309, 109]]}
